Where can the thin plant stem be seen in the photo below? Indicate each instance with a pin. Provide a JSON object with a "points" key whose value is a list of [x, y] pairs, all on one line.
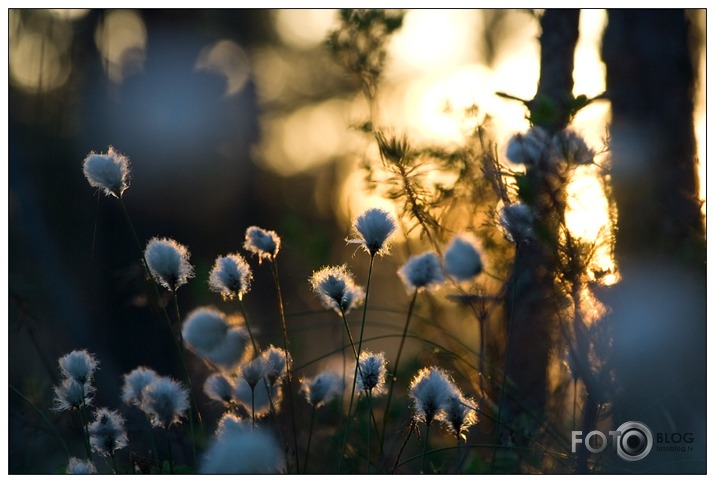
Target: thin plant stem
{"points": [[352, 392], [114, 463], [85, 429], [152, 441], [195, 408], [253, 408], [248, 327], [342, 391], [168, 447], [44, 416], [310, 437], [364, 307], [369, 428], [393, 379], [424, 449], [274, 267], [458, 461]]}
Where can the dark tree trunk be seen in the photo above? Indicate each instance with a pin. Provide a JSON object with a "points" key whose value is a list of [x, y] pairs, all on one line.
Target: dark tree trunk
{"points": [[659, 308], [531, 297]]}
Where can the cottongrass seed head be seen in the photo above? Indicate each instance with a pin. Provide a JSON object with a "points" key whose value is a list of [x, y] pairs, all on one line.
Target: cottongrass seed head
{"points": [[430, 390], [106, 432], [77, 466], [422, 272], [218, 388], [108, 172], [230, 276], [371, 376], [461, 259], [78, 365], [373, 228], [571, 147], [165, 402], [135, 382], [210, 334], [71, 394], [253, 396], [459, 413], [322, 388], [264, 243], [517, 219], [238, 448], [168, 262], [275, 362], [529, 148], [336, 289]]}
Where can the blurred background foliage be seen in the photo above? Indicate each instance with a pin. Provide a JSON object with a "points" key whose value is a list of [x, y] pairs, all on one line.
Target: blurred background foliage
{"points": [[239, 117]]}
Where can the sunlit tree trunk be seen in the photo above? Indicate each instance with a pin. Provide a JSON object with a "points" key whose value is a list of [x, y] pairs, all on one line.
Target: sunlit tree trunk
{"points": [[659, 307], [531, 297]]}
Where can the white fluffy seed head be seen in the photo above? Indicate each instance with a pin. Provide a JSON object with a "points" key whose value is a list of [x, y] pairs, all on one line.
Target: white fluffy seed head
{"points": [[264, 243], [336, 289], [204, 329], [230, 276], [77, 466], [517, 220], [238, 448], [218, 388], [165, 402], [322, 388], [572, 148], [255, 399], [78, 365], [371, 376], [459, 413], [422, 272], [108, 172], [71, 394], [430, 390], [530, 148], [373, 229], [168, 262], [134, 382], [461, 259], [212, 336], [276, 364], [106, 432]]}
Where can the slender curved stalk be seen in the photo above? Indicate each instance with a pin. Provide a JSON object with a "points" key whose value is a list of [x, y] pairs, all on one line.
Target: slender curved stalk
{"points": [[289, 378], [393, 379], [310, 437], [171, 457], [253, 409], [248, 327], [424, 449], [85, 429], [114, 463], [44, 416], [352, 392], [194, 406], [369, 428], [364, 307]]}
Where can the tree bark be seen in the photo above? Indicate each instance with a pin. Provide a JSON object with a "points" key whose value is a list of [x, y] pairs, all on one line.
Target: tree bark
{"points": [[659, 308], [531, 297]]}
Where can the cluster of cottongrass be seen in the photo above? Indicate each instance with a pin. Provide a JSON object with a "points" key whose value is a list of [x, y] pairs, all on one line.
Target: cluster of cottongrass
{"points": [[106, 433], [249, 382]]}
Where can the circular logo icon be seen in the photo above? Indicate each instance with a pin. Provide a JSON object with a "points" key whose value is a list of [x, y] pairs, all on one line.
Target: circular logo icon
{"points": [[635, 441]]}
